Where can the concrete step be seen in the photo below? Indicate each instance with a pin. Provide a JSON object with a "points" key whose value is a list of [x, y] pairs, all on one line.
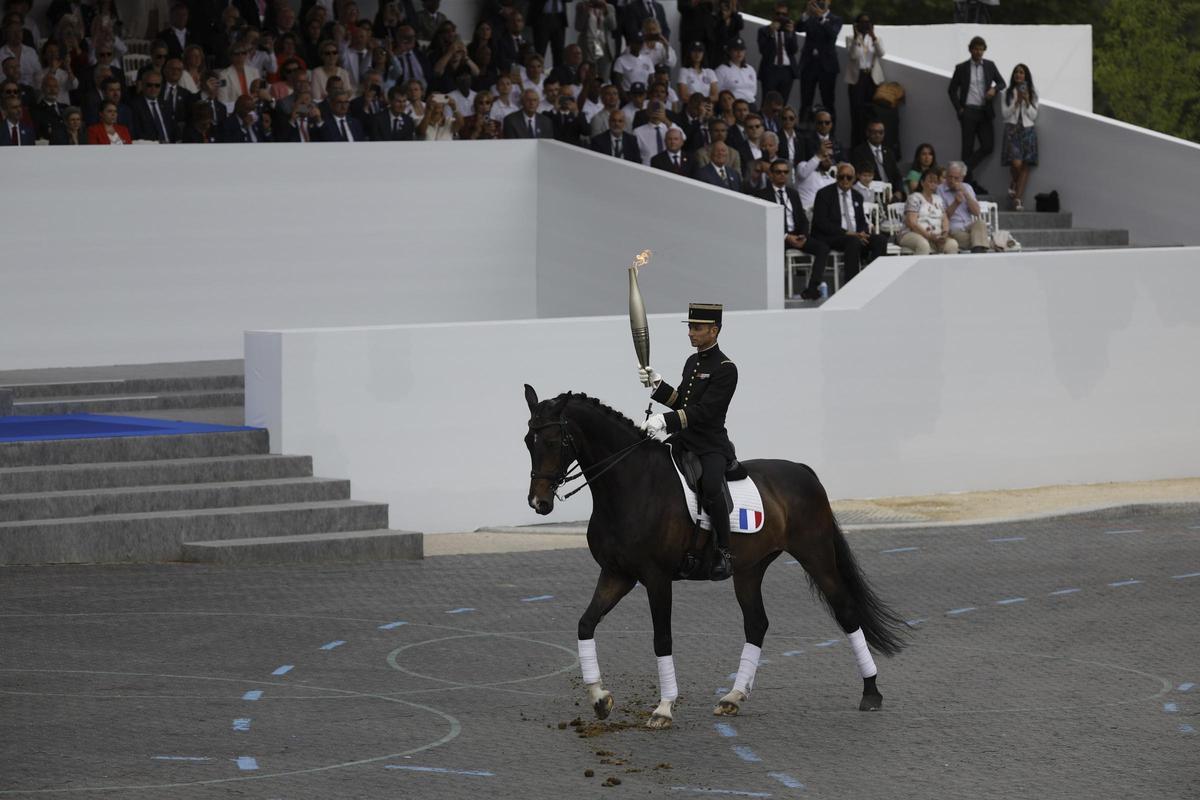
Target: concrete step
{"points": [[1030, 220], [126, 403], [1072, 237], [159, 536], [219, 415], [377, 545], [143, 499], [133, 448], [223, 469], [119, 386]]}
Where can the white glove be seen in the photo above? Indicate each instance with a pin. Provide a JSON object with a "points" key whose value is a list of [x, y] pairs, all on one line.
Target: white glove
{"points": [[655, 424], [649, 377]]}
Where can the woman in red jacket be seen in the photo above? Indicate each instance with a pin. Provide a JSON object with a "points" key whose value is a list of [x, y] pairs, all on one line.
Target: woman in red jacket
{"points": [[108, 130]]}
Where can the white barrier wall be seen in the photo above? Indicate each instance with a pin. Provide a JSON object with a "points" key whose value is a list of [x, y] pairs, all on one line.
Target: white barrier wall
{"points": [[923, 375]]}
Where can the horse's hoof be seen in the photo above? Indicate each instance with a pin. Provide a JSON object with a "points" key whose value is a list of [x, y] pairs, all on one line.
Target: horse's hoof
{"points": [[659, 722], [603, 705], [871, 702], [729, 705]]}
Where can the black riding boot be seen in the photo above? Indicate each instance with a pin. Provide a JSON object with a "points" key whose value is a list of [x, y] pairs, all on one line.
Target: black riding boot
{"points": [[722, 566]]}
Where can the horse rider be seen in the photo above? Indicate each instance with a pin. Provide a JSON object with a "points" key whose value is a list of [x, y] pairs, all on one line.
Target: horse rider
{"points": [[697, 419]]}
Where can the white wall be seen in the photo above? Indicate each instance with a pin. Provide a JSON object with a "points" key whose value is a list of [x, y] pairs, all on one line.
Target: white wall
{"points": [[592, 223], [923, 375]]}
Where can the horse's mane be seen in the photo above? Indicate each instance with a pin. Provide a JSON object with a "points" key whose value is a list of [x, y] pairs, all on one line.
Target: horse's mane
{"points": [[577, 398]]}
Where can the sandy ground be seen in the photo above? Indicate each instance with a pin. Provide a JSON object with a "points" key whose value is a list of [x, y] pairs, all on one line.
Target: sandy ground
{"points": [[941, 508]]}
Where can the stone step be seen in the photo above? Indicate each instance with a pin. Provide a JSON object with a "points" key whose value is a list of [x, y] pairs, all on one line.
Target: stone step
{"points": [[144, 499], [106, 405], [122, 386], [133, 448], [1072, 237], [376, 545], [1029, 220], [159, 536], [222, 469]]}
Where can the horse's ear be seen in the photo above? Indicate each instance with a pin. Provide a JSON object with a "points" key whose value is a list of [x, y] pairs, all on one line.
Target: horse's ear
{"points": [[531, 398]]}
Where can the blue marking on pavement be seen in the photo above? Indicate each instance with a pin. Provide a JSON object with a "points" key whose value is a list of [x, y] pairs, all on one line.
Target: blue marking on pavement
{"points": [[1008, 539], [1010, 600], [248, 763], [725, 729], [284, 670], [1184, 687], [1131, 530], [460, 610], [793, 652], [745, 753], [1130, 582], [900, 550], [723, 690], [733, 792], [537, 598], [252, 695], [826, 643], [242, 724], [786, 780], [392, 625], [332, 645], [1066, 591], [915, 621], [1189, 575], [956, 611], [1170, 708], [1186, 729], [476, 773], [182, 758]]}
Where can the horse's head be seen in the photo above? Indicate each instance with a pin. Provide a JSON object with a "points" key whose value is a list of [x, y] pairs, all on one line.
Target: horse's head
{"points": [[551, 450]]}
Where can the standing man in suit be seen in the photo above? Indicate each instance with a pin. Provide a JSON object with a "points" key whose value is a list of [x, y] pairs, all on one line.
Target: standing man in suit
{"points": [[508, 43], [616, 142], [151, 121], [393, 124], [838, 221], [528, 123], [795, 225], [176, 36], [777, 44], [973, 90], [876, 151], [718, 172], [674, 159], [818, 59], [549, 21], [638, 11]]}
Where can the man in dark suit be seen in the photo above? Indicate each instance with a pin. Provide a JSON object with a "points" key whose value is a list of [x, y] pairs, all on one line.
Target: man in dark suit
{"points": [[176, 99], [16, 133], [818, 59], [176, 36], [838, 221], [256, 15], [369, 103], [151, 120], [973, 90], [616, 142], [299, 122], [636, 14], [795, 225], [111, 92], [876, 151], [674, 158], [208, 96], [528, 123], [569, 125], [777, 44], [548, 18], [414, 66], [508, 42], [47, 113], [717, 171], [339, 126], [394, 123], [243, 125]]}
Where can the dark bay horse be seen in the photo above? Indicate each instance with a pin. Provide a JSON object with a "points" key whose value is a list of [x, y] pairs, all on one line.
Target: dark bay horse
{"points": [[640, 530]]}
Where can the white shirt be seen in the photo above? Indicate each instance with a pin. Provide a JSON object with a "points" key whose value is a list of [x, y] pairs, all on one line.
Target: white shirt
{"points": [[466, 101], [633, 69], [976, 91], [30, 64], [647, 138], [701, 81], [660, 53], [846, 204], [864, 53], [590, 108], [810, 180], [781, 197], [877, 154], [180, 36], [501, 109], [743, 81], [341, 123], [929, 212]]}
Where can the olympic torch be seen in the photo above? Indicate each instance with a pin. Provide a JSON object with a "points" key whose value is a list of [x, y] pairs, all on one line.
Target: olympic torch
{"points": [[638, 325]]}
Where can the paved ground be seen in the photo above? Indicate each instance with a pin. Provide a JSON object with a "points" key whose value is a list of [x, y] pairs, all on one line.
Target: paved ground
{"points": [[1057, 659]]}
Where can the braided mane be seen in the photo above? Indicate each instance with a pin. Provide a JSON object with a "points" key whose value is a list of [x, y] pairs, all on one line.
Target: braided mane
{"points": [[575, 398]]}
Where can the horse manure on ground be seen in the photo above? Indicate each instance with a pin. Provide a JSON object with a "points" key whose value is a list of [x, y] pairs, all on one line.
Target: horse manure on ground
{"points": [[611, 780], [589, 773], [663, 765]]}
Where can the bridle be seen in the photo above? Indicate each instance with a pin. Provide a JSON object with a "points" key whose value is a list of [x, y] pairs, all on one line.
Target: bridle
{"points": [[564, 475]]}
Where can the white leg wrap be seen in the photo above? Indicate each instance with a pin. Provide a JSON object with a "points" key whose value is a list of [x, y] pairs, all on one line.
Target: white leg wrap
{"points": [[747, 668], [666, 678], [866, 664], [588, 662]]}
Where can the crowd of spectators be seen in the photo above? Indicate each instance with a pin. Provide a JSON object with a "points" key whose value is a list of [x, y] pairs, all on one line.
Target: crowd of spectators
{"points": [[256, 71]]}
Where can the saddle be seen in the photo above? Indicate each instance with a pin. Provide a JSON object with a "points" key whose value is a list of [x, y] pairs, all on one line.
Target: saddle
{"points": [[742, 501]]}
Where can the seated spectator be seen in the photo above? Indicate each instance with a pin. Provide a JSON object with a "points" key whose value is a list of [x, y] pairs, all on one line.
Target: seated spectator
{"points": [[291, 73], [479, 124], [16, 132], [28, 64], [111, 90], [210, 87], [820, 155], [718, 171], [737, 131], [244, 124], [528, 123], [386, 65], [772, 111], [296, 117], [718, 131], [660, 90], [616, 142], [151, 121], [441, 121], [791, 142], [567, 73], [750, 148], [770, 151], [237, 77], [329, 69], [1019, 147], [355, 54], [923, 159], [926, 227], [877, 150], [47, 115], [635, 65], [414, 66], [54, 64], [506, 99], [795, 225], [108, 130], [415, 93], [463, 94], [12, 72], [569, 123], [370, 100], [260, 52], [840, 222], [757, 177], [551, 90], [737, 76], [176, 99], [637, 101], [193, 68], [71, 132], [177, 35], [694, 121], [338, 125], [589, 98], [865, 172], [651, 137], [673, 158], [695, 77], [962, 209]]}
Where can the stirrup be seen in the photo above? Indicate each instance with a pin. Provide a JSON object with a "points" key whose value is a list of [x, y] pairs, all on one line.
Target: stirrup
{"points": [[722, 567]]}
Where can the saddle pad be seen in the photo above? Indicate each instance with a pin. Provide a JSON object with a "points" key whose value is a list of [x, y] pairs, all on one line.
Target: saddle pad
{"points": [[747, 515]]}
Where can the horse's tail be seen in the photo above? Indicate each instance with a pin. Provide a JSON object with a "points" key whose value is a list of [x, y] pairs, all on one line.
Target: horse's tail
{"points": [[881, 626]]}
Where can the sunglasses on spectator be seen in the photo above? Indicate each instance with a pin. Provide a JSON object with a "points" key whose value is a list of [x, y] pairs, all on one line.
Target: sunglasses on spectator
{"points": [[845, 176], [153, 85]]}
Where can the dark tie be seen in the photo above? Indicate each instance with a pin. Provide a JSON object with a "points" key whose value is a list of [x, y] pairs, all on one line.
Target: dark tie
{"points": [[245, 134], [532, 130], [616, 146], [658, 140], [171, 97], [704, 133], [16, 137], [395, 127], [342, 125], [675, 159], [779, 50], [158, 123], [408, 65], [213, 105]]}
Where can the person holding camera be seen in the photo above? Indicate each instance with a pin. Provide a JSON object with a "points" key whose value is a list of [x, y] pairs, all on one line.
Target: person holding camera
{"points": [[441, 121], [596, 24], [818, 59], [480, 125], [638, 12], [655, 45], [864, 73], [301, 120], [777, 45], [1019, 147]]}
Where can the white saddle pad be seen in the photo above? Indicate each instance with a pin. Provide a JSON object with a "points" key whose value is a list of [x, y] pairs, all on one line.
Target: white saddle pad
{"points": [[747, 515]]}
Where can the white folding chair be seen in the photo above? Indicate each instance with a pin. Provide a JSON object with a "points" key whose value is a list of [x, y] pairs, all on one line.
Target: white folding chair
{"points": [[871, 212], [137, 47], [795, 261], [131, 63], [989, 212], [893, 226], [882, 191]]}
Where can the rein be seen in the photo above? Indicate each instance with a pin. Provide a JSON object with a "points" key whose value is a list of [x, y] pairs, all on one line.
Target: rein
{"points": [[564, 475]]}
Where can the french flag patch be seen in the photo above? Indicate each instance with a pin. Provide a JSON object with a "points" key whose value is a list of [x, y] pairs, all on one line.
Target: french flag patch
{"points": [[749, 519]]}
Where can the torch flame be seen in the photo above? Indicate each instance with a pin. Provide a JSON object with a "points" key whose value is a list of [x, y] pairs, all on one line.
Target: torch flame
{"points": [[641, 260]]}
